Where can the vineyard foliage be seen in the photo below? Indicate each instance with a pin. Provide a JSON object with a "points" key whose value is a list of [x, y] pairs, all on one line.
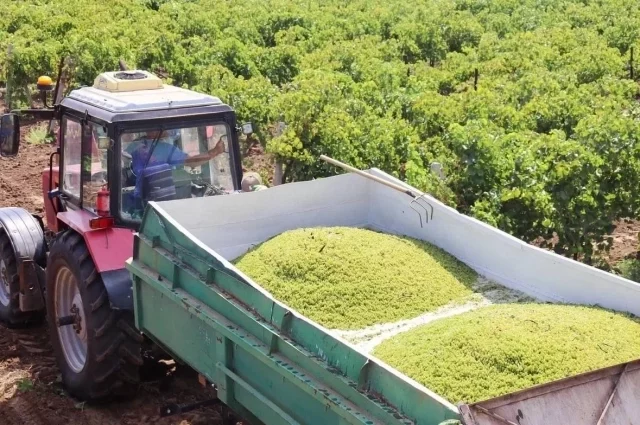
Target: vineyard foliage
{"points": [[544, 143]]}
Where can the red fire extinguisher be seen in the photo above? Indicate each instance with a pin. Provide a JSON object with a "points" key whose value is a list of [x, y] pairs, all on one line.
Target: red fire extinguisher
{"points": [[102, 202]]}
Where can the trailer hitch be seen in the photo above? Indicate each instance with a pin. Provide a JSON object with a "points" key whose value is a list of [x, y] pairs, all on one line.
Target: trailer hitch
{"points": [[177, 409]]}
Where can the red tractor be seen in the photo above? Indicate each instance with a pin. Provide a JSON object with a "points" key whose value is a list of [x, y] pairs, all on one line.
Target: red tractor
{"points": [[126, 140]]}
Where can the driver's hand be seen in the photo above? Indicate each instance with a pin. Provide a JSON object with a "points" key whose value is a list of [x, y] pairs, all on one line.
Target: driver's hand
{"points": [[218, 149]]}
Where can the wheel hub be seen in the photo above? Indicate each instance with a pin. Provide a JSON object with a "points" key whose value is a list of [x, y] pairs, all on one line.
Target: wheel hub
{"points": [[78, 316], [5, 290], [68, 303]]}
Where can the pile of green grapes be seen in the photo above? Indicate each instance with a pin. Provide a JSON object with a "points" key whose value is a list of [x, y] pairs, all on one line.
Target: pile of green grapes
{"points": [[503, 348], [350, 278]]}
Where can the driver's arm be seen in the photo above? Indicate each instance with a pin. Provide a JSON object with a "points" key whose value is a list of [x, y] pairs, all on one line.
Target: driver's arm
{"points": [[194, 161]]}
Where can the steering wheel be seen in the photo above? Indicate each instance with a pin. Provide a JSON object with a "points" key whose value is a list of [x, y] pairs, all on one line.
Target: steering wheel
{"points": [[200, 189], [99, 176], [129, 158]]}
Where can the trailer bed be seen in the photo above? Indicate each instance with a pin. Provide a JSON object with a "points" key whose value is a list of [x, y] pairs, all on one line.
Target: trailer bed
{"points": [[271, 364]]}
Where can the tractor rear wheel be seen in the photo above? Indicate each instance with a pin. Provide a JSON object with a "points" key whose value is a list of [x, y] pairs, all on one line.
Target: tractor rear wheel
{"points": [[97, 348], [10, 312]]}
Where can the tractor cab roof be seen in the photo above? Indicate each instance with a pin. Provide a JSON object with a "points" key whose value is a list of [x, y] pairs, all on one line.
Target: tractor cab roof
{"points": [[139, 95]]}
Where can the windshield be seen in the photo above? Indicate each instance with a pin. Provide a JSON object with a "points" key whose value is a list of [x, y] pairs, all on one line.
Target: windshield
{"points": [[166, 164]]}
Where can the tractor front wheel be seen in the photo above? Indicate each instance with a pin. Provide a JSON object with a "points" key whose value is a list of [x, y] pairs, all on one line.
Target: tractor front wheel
{"points": [[97, 348]]}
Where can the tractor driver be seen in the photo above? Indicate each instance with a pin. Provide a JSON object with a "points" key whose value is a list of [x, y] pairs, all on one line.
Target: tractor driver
{"points": [[165, 153]]}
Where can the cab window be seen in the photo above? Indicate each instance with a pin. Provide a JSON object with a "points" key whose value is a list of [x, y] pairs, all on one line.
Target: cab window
{"points": [[165, 164], [71, 157], [94, 165]]}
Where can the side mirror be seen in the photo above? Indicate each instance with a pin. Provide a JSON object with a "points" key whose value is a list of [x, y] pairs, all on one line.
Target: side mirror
{"points": [[9, 135], [104, 142], [247, 128]]}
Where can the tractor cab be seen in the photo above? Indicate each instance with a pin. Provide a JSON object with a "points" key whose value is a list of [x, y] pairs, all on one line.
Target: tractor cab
{"points": [[125, 141], [130, 139]]}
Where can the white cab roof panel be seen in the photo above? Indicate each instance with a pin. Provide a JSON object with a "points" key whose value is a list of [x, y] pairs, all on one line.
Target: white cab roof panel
{"points": [[167, 97]]}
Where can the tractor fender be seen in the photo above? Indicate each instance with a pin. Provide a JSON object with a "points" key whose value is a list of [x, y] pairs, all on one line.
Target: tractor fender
{"points": [[110, 249], [117, 282], [119, 289], [26, 235]]}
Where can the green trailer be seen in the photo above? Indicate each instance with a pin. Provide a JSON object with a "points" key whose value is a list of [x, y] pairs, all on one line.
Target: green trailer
{"points": [[272, 365], [269, 364]]}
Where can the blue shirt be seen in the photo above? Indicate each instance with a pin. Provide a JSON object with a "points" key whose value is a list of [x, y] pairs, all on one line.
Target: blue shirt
{"points": [[163, 153]]}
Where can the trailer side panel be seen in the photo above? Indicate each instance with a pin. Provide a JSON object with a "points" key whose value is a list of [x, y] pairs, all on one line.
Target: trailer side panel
{"points": [[268, 362]]}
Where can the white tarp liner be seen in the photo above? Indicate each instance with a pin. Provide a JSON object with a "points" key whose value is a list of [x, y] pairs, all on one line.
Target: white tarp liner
{"points": [[231, 225]]}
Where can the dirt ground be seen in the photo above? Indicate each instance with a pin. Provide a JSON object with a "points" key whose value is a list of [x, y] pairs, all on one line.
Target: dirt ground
{"points": [[20, 178], [625, 241], [31, 394]]}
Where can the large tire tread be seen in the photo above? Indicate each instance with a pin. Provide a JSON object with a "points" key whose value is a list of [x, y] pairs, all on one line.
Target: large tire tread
{"points": [[114, 345], [11, 315]]}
